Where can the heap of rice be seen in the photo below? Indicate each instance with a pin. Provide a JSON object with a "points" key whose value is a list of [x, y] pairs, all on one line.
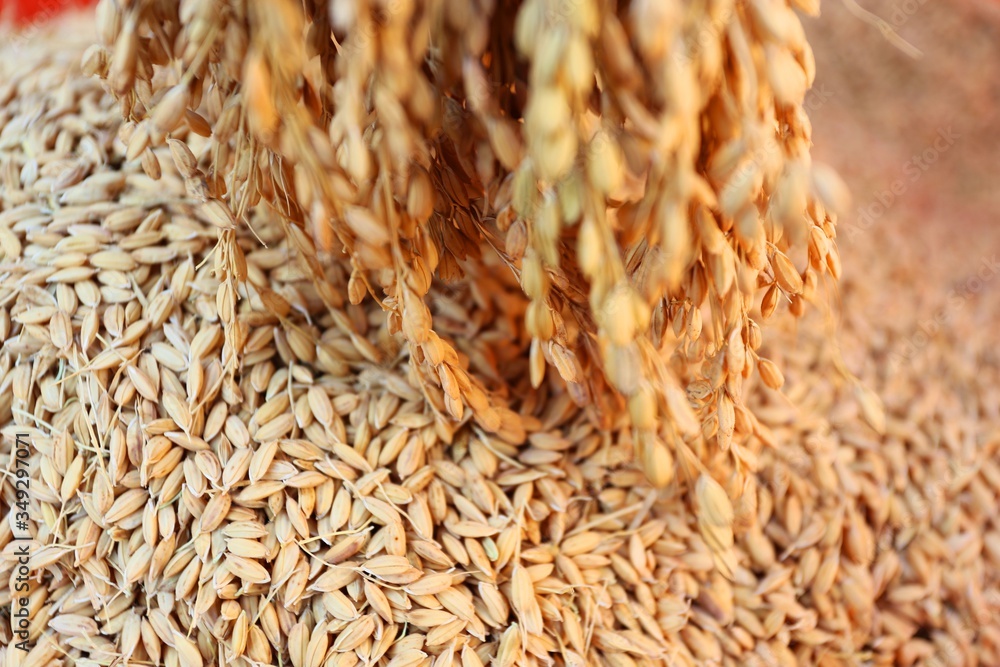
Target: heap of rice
{"points": [[233, 463]]}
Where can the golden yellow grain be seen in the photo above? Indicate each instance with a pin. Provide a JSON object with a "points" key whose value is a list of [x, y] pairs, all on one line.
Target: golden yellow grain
{"points": [[234, 463]]}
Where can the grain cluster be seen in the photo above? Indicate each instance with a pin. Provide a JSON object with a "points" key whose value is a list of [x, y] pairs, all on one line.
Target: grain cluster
{"points": [[642, 170]]}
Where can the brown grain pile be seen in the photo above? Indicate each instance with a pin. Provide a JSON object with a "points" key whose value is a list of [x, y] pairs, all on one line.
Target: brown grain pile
{"points": [[254, 475]]}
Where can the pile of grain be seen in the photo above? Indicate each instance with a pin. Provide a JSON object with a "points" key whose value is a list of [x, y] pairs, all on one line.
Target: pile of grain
{"points": [[643, 171], [304, 499], [306, 496]]}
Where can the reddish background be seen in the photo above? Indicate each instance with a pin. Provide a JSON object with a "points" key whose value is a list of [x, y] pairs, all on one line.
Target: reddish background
{"points": [[25, 11]]}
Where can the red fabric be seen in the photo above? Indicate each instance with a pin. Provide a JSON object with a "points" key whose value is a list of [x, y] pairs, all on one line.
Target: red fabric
{"points": [[27, 11]]}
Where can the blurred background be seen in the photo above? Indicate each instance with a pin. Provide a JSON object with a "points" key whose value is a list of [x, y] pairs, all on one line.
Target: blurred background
{"points": [[877, 110], [918, 142]]}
